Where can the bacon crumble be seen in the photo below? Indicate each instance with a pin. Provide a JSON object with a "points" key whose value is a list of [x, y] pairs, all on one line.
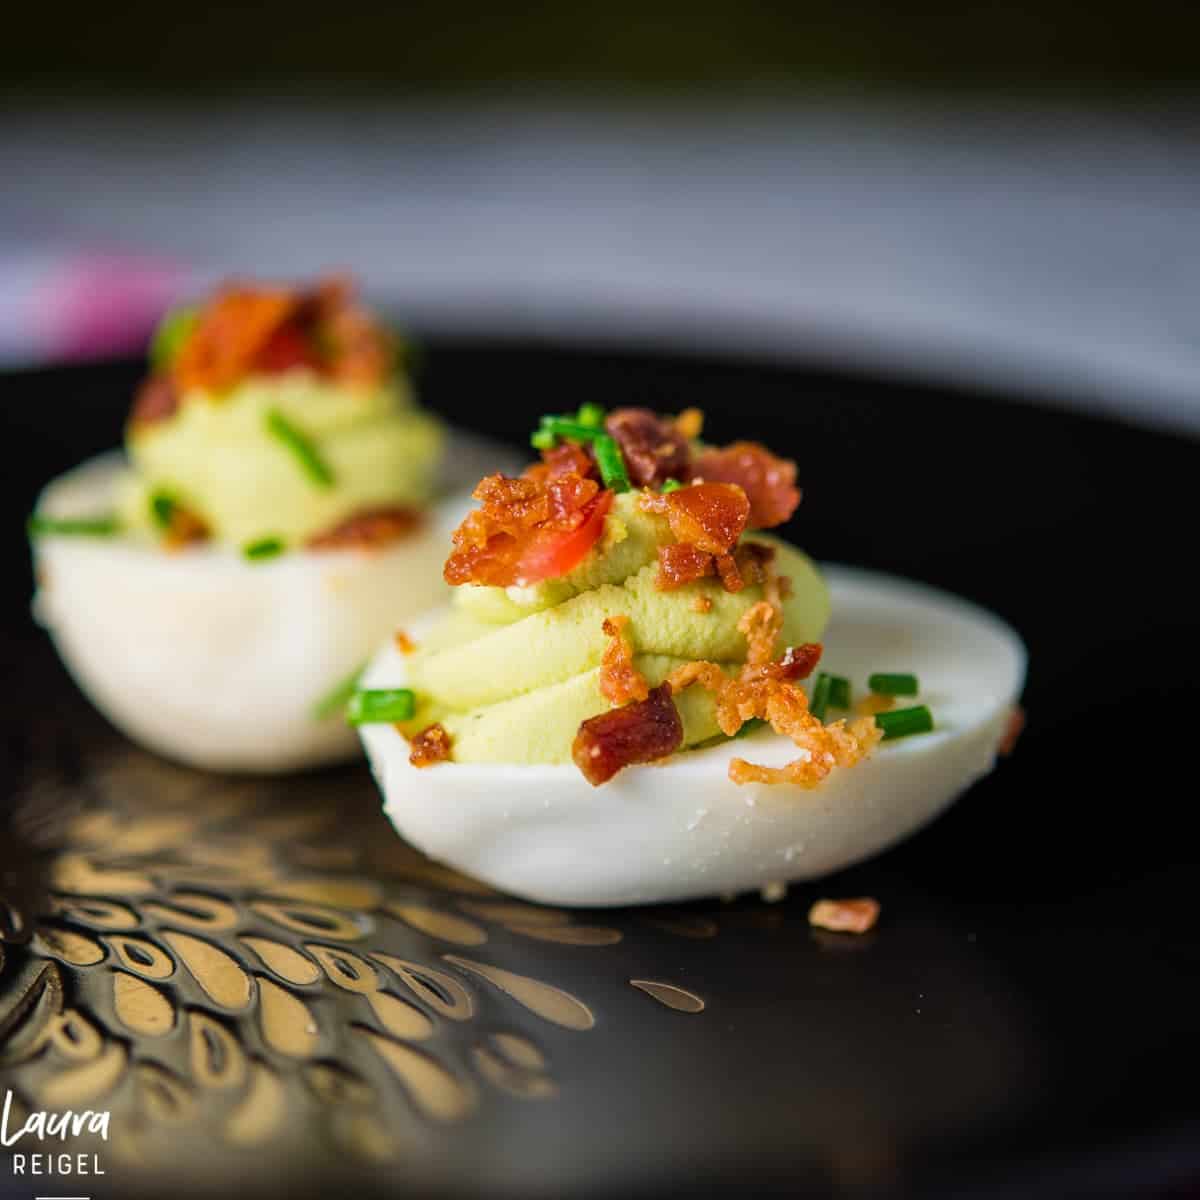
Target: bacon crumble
{"points": [[765, 689], [246, 329], [654, 449], [641, 732], [769, 482], [845, 916], [528, 528], [184, 528], [369, 529], [432, 745], [620, 680]]}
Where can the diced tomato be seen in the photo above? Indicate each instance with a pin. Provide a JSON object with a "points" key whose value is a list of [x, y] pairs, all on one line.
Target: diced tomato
{"points": [[550, 554]]}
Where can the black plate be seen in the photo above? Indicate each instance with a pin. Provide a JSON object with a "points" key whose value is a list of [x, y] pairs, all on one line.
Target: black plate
{"points": [[1022, 1022]]}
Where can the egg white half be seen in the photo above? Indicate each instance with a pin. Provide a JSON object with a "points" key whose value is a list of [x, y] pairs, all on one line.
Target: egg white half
{"points": [[681, 830], [218, 662]]}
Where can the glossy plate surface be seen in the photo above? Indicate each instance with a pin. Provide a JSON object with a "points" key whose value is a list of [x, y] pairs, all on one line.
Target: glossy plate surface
{"points": [[272, 994]]}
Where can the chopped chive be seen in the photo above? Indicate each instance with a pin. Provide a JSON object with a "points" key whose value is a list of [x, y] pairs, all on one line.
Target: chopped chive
{"points": [[263, 548], [305, 452], [839, 692], [901, 722], [893, 685], [820, 697], [611, 464], [671, 485], [162, 509], [591, 415], [172, 331], [39, 525], [543, 439], [566, 427], [335, 700], [381, 706]]}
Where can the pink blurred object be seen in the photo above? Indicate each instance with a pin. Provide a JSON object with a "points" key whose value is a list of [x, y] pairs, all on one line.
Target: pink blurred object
{"points": [[101, 305]]}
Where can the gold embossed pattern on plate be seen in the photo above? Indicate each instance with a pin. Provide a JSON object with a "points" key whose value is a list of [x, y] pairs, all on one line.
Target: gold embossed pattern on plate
{"points": [[218, 967]]}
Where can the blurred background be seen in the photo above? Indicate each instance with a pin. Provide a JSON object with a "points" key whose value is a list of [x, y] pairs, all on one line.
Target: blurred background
{"points": [[998, 195]]}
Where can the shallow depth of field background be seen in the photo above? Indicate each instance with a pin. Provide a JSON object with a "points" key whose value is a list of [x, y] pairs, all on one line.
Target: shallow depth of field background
{"points": [[983, 194]]}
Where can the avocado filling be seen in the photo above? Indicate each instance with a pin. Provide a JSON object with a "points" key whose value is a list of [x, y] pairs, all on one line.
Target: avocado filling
{"points": [[277, 416], [514, 672]]}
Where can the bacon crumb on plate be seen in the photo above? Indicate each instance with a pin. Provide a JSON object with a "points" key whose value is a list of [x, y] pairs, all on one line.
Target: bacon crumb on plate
{"points": [[641, 732], [845, 916], [430, 746]]}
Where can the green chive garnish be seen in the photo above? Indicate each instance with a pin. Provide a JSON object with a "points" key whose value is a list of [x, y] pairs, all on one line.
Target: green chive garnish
{"points": [[611, 464], [901, 722], [39, 525], [162, 509], [173, 330], [839, 692], [893, 685], [543, 439], [305, 452], [263, 548], [566, 427], [671, 485], [820, 697], [591, 415], [382, 706], [335, 700]]}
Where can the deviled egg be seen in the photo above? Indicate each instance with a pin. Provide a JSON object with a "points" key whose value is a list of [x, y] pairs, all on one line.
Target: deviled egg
{"points": [[636, 696], [281, 500]]}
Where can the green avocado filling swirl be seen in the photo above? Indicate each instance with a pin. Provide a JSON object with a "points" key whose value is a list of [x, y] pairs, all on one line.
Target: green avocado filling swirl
{"points": [[270, 417], [512, 673]]}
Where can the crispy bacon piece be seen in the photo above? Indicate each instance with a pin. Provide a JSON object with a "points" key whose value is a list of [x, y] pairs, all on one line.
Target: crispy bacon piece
{"points": [[230, 332], [246, 329], [1012, 731], [620, 680], [769, 482], [799, 662], [156, 400], [185, 529], [430, 746], [641, 732], [680, 563], [653, 448], [824, 747], [564, 459], [845, 916], [536, 527], [765, 688], [707, 519], [368, 529]]}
